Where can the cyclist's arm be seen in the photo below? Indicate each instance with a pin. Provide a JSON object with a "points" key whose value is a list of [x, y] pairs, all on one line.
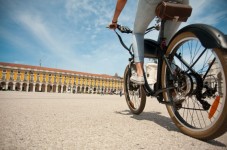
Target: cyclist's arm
{"points": [[119, 7]]}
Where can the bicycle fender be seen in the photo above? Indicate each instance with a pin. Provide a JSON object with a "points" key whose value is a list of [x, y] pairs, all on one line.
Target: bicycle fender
{"points": [[209, 36]]}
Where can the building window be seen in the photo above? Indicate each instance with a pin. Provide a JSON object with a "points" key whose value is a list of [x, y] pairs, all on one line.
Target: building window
{"points": [[18, 76], [44, 78], [55, 78], [31, 79], [50, 77], [11, 75], [38, 78], [25, 76]]}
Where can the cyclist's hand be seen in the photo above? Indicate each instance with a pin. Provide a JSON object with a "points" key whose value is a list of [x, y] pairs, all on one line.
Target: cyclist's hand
{"points": [[112, 26]]}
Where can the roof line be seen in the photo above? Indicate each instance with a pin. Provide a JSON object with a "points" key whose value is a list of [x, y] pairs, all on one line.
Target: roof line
{"points": [[52, 69]]}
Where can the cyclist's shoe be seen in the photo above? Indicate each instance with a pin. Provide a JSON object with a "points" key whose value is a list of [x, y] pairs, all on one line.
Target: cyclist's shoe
{"points": [[137, 79]]}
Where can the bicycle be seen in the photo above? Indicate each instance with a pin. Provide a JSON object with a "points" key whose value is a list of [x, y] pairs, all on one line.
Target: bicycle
{"points": [[190, 68]]}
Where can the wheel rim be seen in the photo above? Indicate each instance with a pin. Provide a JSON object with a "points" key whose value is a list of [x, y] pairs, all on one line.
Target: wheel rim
{"points": [[191, 114]]}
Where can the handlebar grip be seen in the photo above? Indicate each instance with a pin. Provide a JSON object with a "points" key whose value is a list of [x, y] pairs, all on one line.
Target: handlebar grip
{"points": [[111, 26], [124, 29]]}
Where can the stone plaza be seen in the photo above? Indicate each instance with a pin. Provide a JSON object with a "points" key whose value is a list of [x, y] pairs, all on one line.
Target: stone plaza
{"points": [[37, 120]]}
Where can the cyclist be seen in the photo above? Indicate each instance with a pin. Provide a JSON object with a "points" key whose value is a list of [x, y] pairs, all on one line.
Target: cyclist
{"points": [[144, 15]]}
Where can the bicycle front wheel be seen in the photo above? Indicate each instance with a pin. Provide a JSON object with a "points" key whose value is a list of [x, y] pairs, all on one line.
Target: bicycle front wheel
{"points": [[134, 94], [200, 109]]}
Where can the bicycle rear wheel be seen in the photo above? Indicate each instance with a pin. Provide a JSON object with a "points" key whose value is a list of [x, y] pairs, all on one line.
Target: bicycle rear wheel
{"points": [[134, 94], [201, 111]]}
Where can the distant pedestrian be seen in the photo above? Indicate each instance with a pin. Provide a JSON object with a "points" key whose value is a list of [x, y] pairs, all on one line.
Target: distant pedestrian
{"points": [[102, 93]]}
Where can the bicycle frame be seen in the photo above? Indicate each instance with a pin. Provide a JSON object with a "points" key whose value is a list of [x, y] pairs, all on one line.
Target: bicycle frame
{"points": [[156, 49]]}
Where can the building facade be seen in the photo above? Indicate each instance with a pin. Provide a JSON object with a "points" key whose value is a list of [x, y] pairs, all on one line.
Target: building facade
{"points": [[18, 77]]}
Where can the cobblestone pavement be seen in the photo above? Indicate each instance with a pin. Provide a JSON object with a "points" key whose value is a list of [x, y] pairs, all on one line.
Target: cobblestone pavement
{"points": [[76, 121]]}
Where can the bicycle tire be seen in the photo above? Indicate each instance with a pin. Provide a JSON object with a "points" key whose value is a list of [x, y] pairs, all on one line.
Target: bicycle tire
{"points": [[215, 125], [134, 94]]}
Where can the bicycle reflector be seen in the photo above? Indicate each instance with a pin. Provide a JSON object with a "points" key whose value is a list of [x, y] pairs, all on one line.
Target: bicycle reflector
{"points": [[214, 107]]}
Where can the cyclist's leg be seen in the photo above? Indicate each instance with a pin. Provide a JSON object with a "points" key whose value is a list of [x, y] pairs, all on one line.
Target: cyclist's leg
{"points": [[171, 26], [144, 15]]}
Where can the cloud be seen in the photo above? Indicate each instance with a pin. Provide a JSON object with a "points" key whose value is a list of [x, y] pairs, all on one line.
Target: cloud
{"points": [[71, 34], [89, 11], [16, 41], [96, 60], [54, 41], [108, 57], [207, 11], [36, 26]]}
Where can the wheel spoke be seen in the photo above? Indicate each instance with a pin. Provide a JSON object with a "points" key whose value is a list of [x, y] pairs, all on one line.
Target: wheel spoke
{"points": [[200, 65]]}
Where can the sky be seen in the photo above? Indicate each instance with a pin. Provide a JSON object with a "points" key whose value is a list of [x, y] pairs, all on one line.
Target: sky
{"points": [[72, 34]]}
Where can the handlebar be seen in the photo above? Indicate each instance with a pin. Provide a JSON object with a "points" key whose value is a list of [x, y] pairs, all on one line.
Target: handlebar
{"points": [[122, 29], [125, 29]]}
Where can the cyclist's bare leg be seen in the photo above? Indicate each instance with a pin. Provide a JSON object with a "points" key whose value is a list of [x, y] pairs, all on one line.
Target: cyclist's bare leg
{"points": [[139, 68]]}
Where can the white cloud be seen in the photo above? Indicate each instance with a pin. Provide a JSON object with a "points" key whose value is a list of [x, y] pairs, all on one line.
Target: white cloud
{"points": [[36, 26], [16, 40], [54, 40], [80, 41], [207, 11], [127, 18], [98, 11]]}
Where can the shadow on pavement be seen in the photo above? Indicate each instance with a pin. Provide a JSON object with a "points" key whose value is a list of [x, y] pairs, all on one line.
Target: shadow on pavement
{"points": [[163, 121], [155, 117], [216, 143]]}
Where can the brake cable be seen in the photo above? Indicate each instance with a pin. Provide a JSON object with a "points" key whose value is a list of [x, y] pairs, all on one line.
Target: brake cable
{"points": [[123, 44], [124, 29]]}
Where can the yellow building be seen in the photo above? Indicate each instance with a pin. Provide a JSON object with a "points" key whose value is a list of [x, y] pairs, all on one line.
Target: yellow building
{"points": [[18, 77]]}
